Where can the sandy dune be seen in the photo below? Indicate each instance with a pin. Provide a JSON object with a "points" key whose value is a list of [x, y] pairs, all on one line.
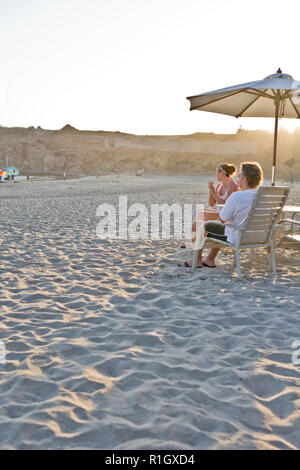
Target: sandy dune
{"points": [[110, 345]]}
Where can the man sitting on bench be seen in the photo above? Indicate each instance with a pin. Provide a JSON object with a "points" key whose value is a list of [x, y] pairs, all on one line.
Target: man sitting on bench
{"points": [[235, 211]]}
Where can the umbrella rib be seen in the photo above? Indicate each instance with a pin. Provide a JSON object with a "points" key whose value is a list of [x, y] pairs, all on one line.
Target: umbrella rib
{"points": [[296, 110], [213, 101], [242, 90], [260, 93], [285, 95], [248, 106]]}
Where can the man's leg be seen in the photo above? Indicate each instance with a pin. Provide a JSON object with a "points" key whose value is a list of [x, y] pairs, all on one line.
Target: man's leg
{"points": [[211, 229], [208, 215], [199, 259], [215, 230], [210, 259], [189, 263]]}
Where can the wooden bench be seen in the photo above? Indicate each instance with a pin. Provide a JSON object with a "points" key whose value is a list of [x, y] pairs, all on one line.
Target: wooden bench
{"points": [[260, 226]]}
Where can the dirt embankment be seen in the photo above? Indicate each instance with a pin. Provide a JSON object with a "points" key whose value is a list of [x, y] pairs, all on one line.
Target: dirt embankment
{"points": [[78, 153]]}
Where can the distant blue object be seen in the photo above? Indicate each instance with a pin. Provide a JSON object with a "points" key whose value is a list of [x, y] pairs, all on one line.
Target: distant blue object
{"points": [[11, 170]]}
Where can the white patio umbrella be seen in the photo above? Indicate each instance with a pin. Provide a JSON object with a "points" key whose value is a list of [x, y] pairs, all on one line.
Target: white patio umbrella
{"points": [[277, 95]]}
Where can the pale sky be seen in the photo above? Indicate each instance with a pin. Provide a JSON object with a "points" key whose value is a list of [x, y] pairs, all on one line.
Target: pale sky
{"points": [[128, 65]]}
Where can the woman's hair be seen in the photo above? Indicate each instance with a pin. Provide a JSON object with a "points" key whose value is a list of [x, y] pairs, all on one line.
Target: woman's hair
{"points": [[253, 172], [228, 168]]}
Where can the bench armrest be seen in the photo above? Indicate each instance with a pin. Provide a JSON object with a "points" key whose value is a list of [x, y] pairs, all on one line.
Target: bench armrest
{"points": [[291, 221], [236, 227]]}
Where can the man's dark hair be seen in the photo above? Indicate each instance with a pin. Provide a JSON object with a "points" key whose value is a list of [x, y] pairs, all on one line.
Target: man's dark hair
{"points": [[253, 172]]}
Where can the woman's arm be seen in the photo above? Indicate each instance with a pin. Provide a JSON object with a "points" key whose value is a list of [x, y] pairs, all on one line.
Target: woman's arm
{"points": [[230, 186], [212, 194], [219, 199]]}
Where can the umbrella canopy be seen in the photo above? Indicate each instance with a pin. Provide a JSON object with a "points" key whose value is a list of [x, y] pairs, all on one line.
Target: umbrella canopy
{"points": [[276, 96]]}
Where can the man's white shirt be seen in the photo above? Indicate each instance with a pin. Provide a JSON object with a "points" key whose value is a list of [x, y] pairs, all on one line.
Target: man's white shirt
{"points": [[236, 210]]}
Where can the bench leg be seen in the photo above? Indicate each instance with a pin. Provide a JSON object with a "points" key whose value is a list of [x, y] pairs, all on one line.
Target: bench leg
{"points": [[195, 257], [238, 262], [251, 257], [273, 261]]}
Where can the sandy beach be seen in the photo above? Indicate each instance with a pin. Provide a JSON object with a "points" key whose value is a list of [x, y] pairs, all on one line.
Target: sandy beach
{"points": [[110, 345]]}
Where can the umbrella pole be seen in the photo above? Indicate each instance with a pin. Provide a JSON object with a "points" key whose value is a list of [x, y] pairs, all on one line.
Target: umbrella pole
{"points": [[275, 142]]}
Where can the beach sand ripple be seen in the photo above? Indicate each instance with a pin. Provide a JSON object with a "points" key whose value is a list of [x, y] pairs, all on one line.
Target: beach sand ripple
{"points": [[110, 345]]}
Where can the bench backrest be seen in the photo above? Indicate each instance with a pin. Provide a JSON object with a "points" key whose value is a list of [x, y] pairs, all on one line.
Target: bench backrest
{"points": [[264, 214]]}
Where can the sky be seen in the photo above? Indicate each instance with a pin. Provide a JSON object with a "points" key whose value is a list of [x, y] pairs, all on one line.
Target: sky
{"points": [[128, 65]]}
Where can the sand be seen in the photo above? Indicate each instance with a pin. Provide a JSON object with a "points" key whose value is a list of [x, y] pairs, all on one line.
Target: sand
{"points": [[110, 345]]}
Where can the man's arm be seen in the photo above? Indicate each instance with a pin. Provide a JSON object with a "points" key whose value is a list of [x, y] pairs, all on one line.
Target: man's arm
{"points": [[227, 212]]}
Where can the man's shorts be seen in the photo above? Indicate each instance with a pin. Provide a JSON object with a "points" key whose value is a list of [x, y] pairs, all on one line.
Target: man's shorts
{"points": [[215, 230]]}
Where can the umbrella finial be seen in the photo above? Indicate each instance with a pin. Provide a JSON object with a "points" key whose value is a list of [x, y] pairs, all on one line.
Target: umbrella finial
{"points": [[279, 70]]}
